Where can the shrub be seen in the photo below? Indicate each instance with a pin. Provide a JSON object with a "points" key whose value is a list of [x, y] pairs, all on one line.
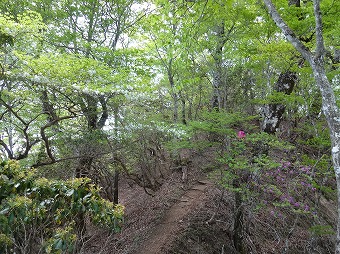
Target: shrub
{"points": [[39, 214]]}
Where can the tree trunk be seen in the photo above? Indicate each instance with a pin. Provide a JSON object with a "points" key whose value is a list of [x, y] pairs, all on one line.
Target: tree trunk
{"points": [[331, 112], [238, 220], [184, 121], [174, 94], [116, 171], [116, 189], [190, 110], [329, 106], [218, 77], [88, 151], [84, 166], [175, 112], [295, 2], [273, 113]]}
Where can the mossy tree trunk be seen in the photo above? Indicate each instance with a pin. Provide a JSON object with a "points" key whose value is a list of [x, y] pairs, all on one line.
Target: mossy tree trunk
{"points": [[272, 113]]}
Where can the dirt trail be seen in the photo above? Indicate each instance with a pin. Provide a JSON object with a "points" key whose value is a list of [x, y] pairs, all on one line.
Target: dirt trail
{"points": [[164, 233]]}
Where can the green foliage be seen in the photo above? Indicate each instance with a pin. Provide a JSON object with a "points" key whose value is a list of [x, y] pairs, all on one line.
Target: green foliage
{"points": [[220, 122], [48, 210], [281, 98], [322, 230], [315, 136], [26, 24], [243, 158], [6, 39], [63, 240]]}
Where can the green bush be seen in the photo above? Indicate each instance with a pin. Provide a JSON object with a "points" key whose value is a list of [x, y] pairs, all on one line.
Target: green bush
{"points": [[39, 214]]}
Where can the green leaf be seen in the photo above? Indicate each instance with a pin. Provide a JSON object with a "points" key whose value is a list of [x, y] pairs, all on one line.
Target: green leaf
{"points": [[87, 196], [69, 192], [11, 218], [58, 244], [5, 211]]}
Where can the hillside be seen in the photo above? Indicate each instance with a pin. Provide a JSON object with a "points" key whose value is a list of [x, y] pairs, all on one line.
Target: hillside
{"points": [[181, 126], [197, 217]]}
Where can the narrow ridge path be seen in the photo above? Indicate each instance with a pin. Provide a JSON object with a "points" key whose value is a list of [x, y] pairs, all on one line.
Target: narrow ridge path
{"points": [[165, 232]]}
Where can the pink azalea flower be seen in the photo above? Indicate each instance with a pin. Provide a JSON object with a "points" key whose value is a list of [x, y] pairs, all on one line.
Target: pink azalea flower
{"points": [[241, 134]]}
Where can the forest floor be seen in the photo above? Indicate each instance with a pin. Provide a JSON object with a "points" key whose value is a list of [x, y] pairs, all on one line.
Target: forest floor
{"points": [[152, 223], [171, 224], [155, 224], [196, 217]]}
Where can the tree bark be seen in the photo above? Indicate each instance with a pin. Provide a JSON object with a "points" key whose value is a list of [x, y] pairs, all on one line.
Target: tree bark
{"points": [[218, 77], [116, 171], [87, 153], [295, 2], [174, 94], [184, 121], [238, 220], [329, 106], [273, 113], [116, 187]]}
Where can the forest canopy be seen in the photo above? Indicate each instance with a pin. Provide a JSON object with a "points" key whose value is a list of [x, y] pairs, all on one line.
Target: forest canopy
{"points": [[91, 90]]}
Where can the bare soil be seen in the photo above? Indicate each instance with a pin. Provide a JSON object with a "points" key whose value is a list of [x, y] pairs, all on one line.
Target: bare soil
{"points": [[162, 236]]}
